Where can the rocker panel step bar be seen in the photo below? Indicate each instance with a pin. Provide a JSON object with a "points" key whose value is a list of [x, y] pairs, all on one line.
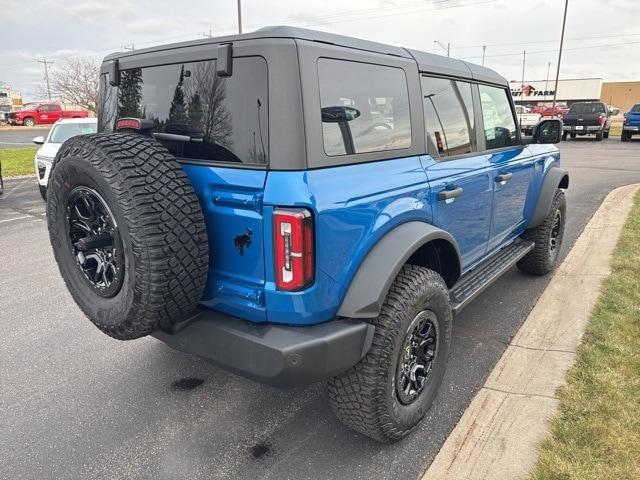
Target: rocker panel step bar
{"points": [[474, 282]]}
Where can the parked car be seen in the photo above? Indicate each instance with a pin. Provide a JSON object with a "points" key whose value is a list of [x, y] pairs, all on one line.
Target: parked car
{"points": [[287, 235], [526, 119], [43, 114], [61, 131], [4, 113], [587, 118], [631, 124]]}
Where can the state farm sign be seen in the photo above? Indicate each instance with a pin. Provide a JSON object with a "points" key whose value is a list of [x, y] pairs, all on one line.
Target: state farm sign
{"points": [[584, 89]]}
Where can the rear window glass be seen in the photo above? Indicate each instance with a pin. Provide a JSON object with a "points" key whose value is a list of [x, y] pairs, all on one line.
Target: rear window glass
{"points": [[364, 107], [197, 114], [635, 108], [587, 108]]}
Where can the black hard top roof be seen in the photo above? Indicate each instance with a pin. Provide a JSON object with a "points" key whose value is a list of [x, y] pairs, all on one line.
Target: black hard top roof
{"points": [[427, 62]]}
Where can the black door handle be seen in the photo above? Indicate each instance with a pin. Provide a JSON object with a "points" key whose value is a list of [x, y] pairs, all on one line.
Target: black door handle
{"points": [[504, 177], [450, 194]]}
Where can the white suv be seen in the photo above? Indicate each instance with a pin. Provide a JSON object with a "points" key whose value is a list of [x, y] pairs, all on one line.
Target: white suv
{"points": [[61, 131]]}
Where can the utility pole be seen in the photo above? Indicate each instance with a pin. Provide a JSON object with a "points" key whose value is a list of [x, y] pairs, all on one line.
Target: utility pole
{"points": [[564, 23], [129, 47], [441, 45], [524, 60], [239, 16], [208, 35], [546, 83], [484, 50], [46, 75]]}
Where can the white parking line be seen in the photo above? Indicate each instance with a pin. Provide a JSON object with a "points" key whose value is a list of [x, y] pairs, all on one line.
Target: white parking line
{"points": [[15, 218]]}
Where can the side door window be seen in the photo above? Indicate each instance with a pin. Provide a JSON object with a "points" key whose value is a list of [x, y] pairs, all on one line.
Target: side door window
{"points": [[459, 177], [449, 116], [499, 123]]}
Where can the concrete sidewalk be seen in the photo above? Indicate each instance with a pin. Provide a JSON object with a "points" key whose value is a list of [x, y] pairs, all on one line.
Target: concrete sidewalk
{"points": [[498, 435]]}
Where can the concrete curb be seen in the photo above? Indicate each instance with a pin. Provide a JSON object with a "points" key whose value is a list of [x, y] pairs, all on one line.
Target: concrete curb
{"points": [[498, 435]]}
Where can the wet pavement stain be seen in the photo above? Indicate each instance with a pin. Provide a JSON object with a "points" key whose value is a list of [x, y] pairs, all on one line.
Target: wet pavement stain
{"points": [[187, 383], [260, 450]]}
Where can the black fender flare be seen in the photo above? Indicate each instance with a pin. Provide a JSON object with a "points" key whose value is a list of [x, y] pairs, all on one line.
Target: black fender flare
{"points": [[372, 281], [555, 178]]}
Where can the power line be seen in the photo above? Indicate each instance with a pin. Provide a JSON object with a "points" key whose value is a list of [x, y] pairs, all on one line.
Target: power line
{"points": [[545, 41]]}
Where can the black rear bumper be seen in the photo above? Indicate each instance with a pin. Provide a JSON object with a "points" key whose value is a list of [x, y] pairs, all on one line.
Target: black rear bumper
{"points": [[278, 355]]}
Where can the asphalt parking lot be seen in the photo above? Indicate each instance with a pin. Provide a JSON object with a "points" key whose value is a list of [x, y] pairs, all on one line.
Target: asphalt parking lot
{"points": [[75, 403], [16, 137]]}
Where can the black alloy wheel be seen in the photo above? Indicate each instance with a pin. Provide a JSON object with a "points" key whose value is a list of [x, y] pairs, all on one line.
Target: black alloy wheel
{"points": [[96, 242], [417, 355]]}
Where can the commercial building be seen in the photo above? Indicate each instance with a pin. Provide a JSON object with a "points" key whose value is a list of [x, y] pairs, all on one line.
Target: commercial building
{"points": [[622, 95], [540, 92]]}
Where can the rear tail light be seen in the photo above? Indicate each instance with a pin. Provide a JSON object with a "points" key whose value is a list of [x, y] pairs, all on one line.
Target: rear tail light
{"points": [[626, 119], [293, 248], [142, 125], [128, 123], [601, 119]]}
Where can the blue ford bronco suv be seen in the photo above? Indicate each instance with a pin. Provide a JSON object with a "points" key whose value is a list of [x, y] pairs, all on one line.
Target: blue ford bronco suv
{"points": [[297, 206]]}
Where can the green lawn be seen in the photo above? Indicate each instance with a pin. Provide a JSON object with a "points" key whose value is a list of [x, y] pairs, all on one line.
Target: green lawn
{"points": [[596, 432], [17, 161]]}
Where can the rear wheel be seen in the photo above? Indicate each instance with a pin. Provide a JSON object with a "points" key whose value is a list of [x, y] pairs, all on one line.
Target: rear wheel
{"points": [[573, 135], [605, 134], [564, 135], [127, 233], [547, 238], [387, 394], [626, 136], [599, 136], [43, 192]]}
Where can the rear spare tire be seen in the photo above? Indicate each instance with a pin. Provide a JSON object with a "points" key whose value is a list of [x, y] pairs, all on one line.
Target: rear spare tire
{"points": [[127, 232]]}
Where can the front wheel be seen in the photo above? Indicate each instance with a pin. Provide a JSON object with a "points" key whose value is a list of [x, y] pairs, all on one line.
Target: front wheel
{"points": [[386, 395], [547, 238], [29, 122]]}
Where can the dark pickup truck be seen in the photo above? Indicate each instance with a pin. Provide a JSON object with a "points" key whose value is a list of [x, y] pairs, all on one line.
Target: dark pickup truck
{"points": [[587, 118]]}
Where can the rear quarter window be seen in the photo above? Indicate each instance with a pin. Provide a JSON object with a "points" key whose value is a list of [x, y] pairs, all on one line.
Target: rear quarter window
{"points": [[373, 102]]}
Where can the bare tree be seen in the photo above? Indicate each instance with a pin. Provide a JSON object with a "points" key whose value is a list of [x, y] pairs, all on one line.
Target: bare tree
{"points": [[75, 81]]}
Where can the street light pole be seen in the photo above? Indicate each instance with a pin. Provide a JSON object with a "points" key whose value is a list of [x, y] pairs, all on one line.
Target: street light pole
{"points": [[564, 22], [484, 50], [239, 17], [441, 45]]}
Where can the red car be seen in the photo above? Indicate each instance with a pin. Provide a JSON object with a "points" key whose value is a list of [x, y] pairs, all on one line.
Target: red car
{"points": [[42, 114]]}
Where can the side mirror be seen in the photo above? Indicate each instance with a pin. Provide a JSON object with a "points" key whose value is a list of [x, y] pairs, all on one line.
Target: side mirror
{"points": [[614, 111], [548, 131], [339, 114], [38, 140]]}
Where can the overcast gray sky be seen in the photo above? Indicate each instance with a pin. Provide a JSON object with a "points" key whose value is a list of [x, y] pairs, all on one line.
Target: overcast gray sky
{"points": [[602, 37]]}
